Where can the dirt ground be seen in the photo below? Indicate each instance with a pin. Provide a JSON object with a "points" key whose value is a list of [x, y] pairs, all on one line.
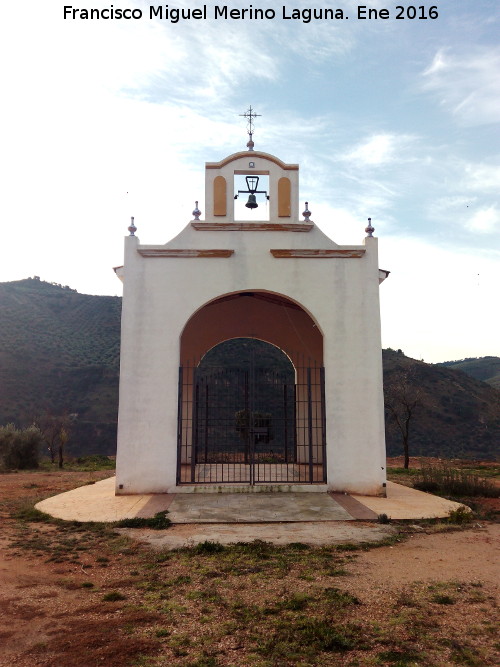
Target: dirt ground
{"points": [[429, 599]]}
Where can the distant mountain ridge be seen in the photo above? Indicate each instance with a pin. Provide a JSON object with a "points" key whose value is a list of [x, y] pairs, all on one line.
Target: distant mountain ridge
{"points": [[59, 354], [486, 369]]}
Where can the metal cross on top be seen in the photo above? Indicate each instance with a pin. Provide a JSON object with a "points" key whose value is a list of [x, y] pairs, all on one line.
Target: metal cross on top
{"points": [[250, 115]]}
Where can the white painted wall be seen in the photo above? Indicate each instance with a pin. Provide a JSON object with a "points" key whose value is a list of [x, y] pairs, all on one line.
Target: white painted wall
{"points": [[161, 294]]}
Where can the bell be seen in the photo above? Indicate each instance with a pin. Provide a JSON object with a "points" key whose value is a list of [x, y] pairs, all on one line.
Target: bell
{"points": [[252, 202]]}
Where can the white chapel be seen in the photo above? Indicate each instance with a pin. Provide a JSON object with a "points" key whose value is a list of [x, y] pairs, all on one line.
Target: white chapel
{"points": [[250, 346]]}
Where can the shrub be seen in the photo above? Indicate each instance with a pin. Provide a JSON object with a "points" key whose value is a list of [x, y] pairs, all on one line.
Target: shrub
{"points": [[461, 515], [19, 448]]}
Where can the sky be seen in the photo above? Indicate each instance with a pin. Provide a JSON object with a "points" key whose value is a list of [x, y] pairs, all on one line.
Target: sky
{"points": [[393, 119]]}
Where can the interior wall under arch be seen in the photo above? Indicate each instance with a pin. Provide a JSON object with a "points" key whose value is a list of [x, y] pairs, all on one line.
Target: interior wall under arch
{"points": [[263, 315]]}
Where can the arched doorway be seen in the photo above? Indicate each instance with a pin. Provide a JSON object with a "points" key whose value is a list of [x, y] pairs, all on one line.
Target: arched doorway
{"points": [[251, 408]]}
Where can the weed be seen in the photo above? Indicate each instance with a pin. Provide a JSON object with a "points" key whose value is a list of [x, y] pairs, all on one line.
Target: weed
{"points": [[160, 521], [477, 596], [92, 463], [179, 643], [209, 547], [401, 657], [339, 598], [447, 480], [442, 598], [113, 596], [299, 546], [296, 602], [406, 599], [87, 584], [307, 637], [383, 518], [348, 546], [409, 472], [460, 515], [162, 632], [31, 515], [336, 572], [257, 548], [204, 661], [209, 595], [465, 655]]}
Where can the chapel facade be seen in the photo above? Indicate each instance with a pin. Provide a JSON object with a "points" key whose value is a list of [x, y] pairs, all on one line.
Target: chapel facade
{"points": [[250, 348]]}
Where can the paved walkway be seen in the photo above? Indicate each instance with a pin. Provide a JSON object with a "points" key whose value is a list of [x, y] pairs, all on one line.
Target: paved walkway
{"points": [[97, 502]]}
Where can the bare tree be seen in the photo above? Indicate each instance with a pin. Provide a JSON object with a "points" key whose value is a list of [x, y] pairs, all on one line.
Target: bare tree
{"points": [[55, 430], [402, 397]]}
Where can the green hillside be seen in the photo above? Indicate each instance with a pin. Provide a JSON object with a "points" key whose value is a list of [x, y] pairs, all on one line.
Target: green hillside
{"points": [[486, 369], [59, 354], [457, 416]]}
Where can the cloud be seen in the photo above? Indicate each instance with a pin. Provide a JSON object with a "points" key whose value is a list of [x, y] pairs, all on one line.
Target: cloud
{"points": [[485, 221], [380, 149], [466, 84], [482, 177]]}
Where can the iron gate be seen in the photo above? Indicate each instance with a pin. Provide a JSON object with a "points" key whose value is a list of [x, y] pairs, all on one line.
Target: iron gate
{"points": [[251, 425]]}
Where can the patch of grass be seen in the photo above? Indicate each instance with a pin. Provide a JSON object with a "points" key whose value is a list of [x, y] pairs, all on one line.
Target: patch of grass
{"points": [[462, 654], [447, 480], [348, 546], [113, 596], [90, 463], [401, 657], [208, 547], [442, 598], [292, 640], [407, 599], [209, 595], [407, 472], [87, 584], [257, 548], [32, 515], [299, 546], [163, 632], [296, 602], [179, 643], [204, 661], [160, 521], [339, 598]]}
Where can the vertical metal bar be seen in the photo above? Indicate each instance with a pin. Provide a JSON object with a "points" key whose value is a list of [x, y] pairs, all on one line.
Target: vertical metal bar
{"points": [[246, 418], [323, 420], [179, 427], [285, 408], [194, 433], [206, 421], [252, 411], [309, 424], [294, 435]]}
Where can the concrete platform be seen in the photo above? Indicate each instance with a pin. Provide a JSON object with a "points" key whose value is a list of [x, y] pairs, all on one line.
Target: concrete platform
{"points": [[97, 502], [317, 533]]}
